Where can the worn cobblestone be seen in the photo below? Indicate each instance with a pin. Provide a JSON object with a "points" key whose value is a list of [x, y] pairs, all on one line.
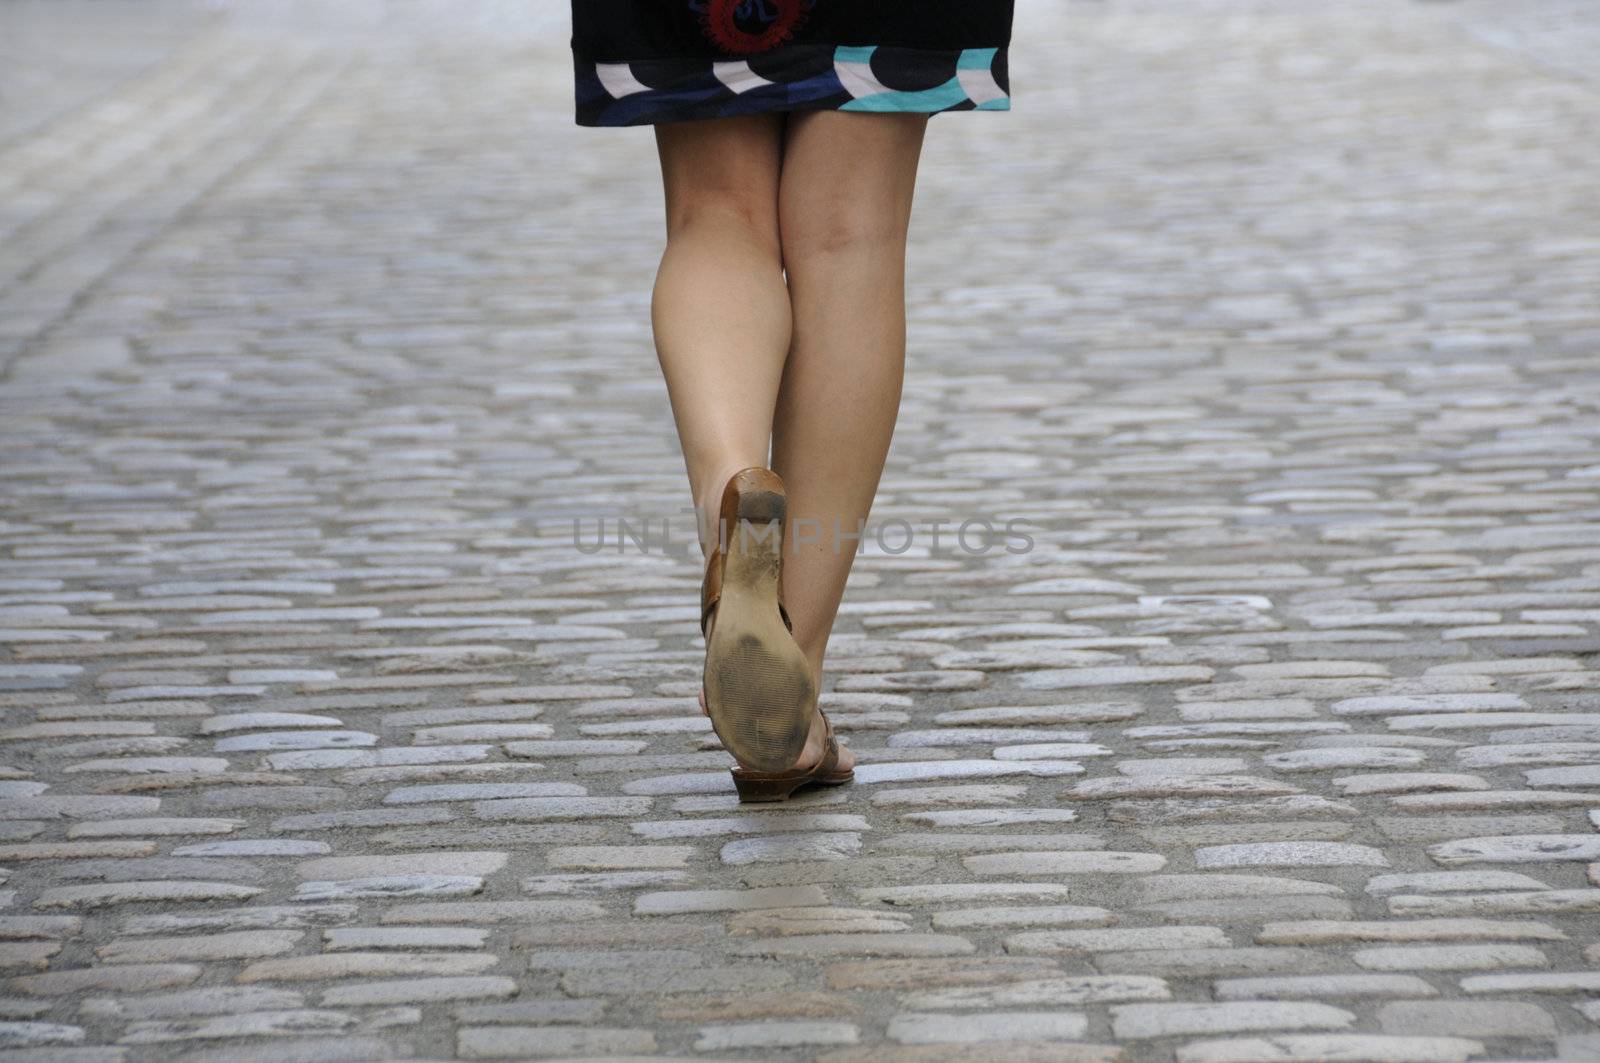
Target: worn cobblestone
{"points": [[320, 740]]}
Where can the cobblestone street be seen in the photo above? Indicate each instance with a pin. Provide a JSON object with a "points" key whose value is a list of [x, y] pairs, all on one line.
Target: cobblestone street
{"points": [[1277, 322]]}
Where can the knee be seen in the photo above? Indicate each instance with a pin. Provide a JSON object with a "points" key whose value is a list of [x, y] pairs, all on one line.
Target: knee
{"points": [[734, 212], [841, 230]]}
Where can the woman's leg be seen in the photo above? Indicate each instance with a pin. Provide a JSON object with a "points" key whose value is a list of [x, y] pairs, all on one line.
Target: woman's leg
{"points": [[844, 206], [720, 309]]}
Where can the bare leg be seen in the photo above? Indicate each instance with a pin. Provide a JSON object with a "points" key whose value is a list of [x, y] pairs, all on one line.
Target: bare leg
{"points": [[720, 309], [844, 210]]}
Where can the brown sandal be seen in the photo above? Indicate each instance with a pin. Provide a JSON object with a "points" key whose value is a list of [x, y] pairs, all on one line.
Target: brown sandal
{"points": [[755, 786], [758, 687]]}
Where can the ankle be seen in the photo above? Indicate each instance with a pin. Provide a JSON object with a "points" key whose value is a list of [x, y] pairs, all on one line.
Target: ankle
{"points": [[708, 506], [816, 672]]}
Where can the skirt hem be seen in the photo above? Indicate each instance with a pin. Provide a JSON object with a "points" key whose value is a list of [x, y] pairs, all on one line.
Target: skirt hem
{"points": [[883, 79]]}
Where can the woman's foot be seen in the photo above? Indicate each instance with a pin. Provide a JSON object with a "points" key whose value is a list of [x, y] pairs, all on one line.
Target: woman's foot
{"points": [[816, 741], [760, 688]]}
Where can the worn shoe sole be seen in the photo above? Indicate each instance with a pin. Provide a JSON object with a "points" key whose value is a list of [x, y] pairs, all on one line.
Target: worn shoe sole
{"points": [[758, 683]]}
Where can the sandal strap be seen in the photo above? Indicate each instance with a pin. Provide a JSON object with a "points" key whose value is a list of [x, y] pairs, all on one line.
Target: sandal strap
{"points": [[710, 587], [830, 748]]}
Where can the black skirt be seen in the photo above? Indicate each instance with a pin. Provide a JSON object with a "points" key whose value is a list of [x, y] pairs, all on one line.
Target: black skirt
{"points": [[645, 61]]}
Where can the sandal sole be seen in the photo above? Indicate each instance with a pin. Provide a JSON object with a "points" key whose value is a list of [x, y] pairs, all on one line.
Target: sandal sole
{"points": [[758, 685]]}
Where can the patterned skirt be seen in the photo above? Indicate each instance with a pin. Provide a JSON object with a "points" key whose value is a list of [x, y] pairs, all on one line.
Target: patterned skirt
{"points": [[640, 62]]}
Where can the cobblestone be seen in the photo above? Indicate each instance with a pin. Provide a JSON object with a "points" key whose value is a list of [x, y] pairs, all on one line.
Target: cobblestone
{"points": [[321, 740]]}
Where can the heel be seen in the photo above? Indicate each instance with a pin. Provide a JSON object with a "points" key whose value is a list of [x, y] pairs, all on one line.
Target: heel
{"points": [[760, 497], [757, 787], [763, 791]]}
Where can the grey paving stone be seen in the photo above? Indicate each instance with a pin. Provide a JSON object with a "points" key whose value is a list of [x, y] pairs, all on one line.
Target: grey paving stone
{"points": [[407, 795], [488, 912], [1306, 1047], [964, 842], [1179, 786], [25, 1035], [243, 944], [1068, 863], [1324, 931], [630, 933], [599, 857], [914, 771], [602, 959], [1179, 887], [984, 817], [256, 847], [390, 886], [601, 881], [136, 828], [926, 796], [13, 927], [1461, 1018], [553, 1011], [775, 1034], [131, 978], [965, 892], [229, 919], [673, 902], [27, 955], [362, 819], [791, 921], [1236, 910], [300, 1049], [1434, 828], [1213, 962], [311, 317], [1054, 942], [1290, 854], [1522, 902], [1343, 759], [998, 1026], [1552, 982], [1324, 987], [417, 991], [357, 867], [726, 977], [539, 809], [1210, 834], [501, 1042], [210, 1000], [1452, 882], [1139, 1021], [73, 806], [112, 894], [1079, 989], [152, 868], [1449, 958], [364, 964], [784, 848], [721, 826], [441, 937], [1519, 849], [857, 944], [250, 1024], [1003, 917]]}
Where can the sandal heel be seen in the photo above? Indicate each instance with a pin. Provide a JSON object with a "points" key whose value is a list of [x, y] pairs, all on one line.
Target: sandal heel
{"points": [[756, 787], [758, 496], [762, 791]]}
